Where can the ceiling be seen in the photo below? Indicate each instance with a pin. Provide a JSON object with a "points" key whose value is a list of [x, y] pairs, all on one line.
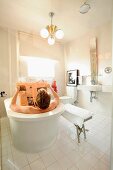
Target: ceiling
{"points": [[32, 15]]}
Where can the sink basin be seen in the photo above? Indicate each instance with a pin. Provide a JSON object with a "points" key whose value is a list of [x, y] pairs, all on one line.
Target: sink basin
{"points": [[106, 88], [96, 87]]}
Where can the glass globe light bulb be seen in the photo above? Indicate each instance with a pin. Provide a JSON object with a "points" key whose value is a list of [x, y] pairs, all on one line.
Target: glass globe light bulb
{"points": [[51, 40], [59, 34], [44, 33]]}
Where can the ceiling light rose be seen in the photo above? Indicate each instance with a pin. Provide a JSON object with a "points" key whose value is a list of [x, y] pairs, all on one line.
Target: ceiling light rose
{"points": [[51, 31]]}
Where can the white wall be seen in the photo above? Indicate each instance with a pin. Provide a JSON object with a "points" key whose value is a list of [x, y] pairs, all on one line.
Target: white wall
{"points": [[77, 56], [4, 68], [111, 167], [8, 64]]}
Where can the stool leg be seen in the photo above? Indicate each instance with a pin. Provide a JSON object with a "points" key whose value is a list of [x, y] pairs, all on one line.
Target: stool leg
{"points": [[84, 131], [78, 135]]}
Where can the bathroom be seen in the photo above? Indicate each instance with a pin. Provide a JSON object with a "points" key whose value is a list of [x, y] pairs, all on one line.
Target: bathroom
{"points": [[20, 41]]}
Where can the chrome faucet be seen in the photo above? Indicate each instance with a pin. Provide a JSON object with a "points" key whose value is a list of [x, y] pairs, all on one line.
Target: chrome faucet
{"points": [[92, 95], [93, 82]]}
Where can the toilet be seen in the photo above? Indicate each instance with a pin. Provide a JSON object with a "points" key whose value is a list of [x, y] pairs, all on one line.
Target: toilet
{"points": [[71, 96]]}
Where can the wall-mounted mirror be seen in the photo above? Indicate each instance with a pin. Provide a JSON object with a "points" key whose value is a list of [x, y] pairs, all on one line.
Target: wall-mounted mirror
{"points": [[93, 60]]}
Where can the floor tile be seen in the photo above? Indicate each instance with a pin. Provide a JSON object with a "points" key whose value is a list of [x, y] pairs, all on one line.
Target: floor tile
{"points": [[97, 152], [65, 163], [8, 165], [74, 156], [57, 153], [48, 159], [91, 159], [54, 166], [32, 157], [44, 152], [83, 165], [26, 168], [106, 159], [101, 166], [73, 168], [37, 165]]}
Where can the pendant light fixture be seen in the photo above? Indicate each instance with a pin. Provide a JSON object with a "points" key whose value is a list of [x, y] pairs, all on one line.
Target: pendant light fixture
{"points": [[51, 32]]}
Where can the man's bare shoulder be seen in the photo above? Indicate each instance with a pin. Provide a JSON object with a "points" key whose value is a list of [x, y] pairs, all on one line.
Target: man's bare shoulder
{"points": [[34, 110], [53, 105], [26, 109]]}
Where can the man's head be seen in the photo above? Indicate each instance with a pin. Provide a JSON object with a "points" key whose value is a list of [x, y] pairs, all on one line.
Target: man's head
{"points": [[43, 99]]}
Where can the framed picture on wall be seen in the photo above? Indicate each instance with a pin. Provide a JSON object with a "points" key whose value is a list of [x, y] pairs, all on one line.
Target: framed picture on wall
{"points": [[72, 77]]}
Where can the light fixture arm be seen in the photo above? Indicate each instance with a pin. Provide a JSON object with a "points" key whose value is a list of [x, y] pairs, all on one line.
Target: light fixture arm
{"points": [[51, 28], [51, 14]]}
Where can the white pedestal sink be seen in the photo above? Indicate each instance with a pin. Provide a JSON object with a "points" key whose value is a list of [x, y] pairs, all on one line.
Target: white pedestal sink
{"points": [[90, 87], [96, 87], [93, 89], [107, 88]]}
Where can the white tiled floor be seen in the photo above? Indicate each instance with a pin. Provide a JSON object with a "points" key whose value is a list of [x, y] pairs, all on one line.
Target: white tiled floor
{"points": [[65, 153]]}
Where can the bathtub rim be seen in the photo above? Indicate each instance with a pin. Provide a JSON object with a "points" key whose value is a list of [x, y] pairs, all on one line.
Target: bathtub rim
{"points": [[32, 117]]}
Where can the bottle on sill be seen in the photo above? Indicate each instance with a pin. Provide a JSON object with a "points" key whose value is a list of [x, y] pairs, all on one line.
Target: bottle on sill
{"points": [[54, 86]]}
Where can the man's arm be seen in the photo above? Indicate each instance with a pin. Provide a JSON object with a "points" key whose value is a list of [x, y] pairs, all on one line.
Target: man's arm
{"points": [[13, 104], [14, 99], [22, 109], [55, 102]]}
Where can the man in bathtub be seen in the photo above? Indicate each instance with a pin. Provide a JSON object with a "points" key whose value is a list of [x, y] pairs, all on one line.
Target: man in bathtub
{"points": [[43, 101]]}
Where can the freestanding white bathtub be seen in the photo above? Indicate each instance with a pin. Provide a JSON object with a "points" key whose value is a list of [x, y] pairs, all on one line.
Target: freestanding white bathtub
{"points": [[33, 132]]}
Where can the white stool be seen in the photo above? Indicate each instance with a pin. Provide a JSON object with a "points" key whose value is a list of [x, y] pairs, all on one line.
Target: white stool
{"points": [[77, 116]]}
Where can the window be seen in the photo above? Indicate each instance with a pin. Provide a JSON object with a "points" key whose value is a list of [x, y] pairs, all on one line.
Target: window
{"points": [[39, 67]]}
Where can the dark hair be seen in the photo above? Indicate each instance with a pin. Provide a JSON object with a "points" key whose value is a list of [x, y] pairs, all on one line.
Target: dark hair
{"points": [[43, 99]]}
